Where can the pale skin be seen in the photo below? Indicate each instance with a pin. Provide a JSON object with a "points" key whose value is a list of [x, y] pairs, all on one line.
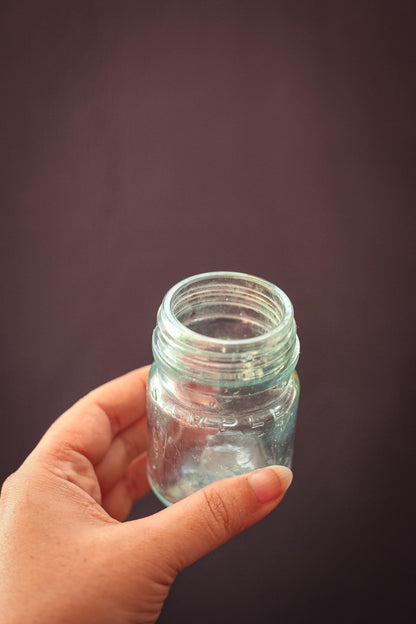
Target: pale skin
{"points": [[66, 556]]}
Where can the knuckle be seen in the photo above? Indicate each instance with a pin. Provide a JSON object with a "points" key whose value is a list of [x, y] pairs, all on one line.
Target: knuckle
{"points": [[7, 486], [218, 514], [131, 445]]}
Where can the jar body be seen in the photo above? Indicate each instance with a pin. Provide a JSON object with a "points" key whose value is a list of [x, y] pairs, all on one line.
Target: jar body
{"points": [[223, 391], [197, 436]]}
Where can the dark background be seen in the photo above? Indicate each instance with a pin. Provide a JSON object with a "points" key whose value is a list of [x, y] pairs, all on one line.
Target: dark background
{"points": [[143, 142]]}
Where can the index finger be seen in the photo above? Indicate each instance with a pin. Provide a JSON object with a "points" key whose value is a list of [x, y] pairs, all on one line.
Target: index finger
{"points": [[90, 425]]}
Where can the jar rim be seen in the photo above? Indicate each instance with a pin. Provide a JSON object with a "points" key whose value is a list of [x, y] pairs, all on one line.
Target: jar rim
{"points": [[253, 341]]}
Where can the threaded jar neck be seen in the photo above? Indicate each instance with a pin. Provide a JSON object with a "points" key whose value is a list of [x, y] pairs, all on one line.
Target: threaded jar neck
{"points": [[226, 329]]}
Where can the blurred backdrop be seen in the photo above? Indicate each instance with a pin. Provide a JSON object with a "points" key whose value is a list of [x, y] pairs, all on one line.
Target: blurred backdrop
{"points": [[143, 142]]}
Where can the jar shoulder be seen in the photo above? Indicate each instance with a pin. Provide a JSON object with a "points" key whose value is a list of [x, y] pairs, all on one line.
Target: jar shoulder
{"points": [[185, 396]]}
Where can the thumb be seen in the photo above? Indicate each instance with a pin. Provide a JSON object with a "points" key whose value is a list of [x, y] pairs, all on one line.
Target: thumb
{"points": [[203, 521]]}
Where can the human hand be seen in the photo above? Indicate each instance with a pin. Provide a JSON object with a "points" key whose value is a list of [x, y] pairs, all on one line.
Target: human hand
{"points": [[65, 555]]}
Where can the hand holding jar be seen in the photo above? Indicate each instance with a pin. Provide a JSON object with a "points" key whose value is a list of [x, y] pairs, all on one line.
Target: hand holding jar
{"points": [[65, 555]]}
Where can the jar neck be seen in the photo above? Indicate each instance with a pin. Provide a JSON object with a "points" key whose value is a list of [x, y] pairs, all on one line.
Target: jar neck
{"points": [[226, 330]]}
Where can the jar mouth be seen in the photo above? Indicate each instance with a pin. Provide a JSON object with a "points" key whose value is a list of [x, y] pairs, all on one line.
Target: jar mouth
{"points": [[226, 327], [228, 309]]}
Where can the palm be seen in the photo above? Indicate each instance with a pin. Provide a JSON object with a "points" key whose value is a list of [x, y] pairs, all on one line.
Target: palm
{"points": [[94, 459]]}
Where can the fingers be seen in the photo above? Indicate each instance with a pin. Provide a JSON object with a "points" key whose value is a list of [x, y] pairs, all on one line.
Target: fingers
{"points": [[133, 485], [196, 525], [90, 425], [127, 445]]}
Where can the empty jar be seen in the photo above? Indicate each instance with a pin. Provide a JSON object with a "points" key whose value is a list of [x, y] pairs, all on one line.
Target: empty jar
{"points": [[223, 391]]}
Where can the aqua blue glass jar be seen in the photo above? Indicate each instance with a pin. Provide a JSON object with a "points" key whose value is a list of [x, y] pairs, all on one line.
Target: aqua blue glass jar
{"points": [[222, 391]]}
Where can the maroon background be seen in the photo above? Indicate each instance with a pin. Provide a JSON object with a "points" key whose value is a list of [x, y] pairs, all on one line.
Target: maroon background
{"points": [[145, 142]]}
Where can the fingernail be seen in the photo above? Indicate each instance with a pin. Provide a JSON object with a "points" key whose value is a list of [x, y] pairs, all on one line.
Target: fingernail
{"points": [[270, 483]]}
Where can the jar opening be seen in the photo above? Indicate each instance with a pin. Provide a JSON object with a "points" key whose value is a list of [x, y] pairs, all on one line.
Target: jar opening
{"points": [[227, 306]]}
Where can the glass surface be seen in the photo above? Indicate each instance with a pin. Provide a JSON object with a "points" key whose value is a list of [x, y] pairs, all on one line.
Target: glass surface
{"points": [[222, 393]]}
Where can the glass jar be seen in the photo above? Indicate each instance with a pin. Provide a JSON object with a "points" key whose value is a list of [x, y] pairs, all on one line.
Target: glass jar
{"points": [[222, 391]]}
